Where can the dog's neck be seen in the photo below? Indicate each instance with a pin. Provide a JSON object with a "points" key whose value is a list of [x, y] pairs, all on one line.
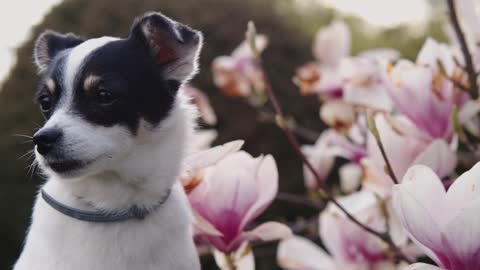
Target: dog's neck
{"points": [[142, 177]]}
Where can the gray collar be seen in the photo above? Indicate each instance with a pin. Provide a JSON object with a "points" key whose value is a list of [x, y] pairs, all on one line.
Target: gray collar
{"points": [[133, 212]]}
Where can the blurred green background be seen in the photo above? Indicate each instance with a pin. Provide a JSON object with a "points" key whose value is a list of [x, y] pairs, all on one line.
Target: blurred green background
{"points": [[290, 28]]}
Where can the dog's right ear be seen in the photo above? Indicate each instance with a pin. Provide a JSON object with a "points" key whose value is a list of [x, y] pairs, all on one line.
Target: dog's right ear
{"points": [[49, 44]]}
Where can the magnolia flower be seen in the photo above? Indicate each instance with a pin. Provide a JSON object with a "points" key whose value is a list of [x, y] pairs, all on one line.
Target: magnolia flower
{"points": [[202, 102], [350, 246], [232, 194], [445, 225], [424, 94], [402, 150], [350, 175], [322, 155], [364, 83], [196, 164], [239, 74], [322, 80], [332, 43], [338, 115]]}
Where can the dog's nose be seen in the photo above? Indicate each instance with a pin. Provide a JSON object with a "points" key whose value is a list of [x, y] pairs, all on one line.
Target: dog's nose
{"points": [[46, 138]]}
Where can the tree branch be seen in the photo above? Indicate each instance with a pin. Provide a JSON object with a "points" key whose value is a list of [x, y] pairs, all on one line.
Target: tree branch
{"points": [[469, 67]]}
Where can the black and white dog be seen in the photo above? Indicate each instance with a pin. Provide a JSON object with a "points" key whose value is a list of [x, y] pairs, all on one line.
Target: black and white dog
{"points": [[112, 147]]}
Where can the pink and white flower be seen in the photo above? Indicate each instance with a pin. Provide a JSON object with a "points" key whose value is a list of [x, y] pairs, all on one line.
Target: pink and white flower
{"points": [[445, 224], [322, 154], [239, 74], [232, 194], [350, 246], [402, 150], [424, 94]]}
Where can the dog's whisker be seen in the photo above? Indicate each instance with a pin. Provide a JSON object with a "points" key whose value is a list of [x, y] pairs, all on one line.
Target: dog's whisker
{"points": [[28, 154], [22, 135]]}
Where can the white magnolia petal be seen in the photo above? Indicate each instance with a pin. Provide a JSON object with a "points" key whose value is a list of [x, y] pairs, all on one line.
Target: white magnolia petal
{"points": [[439, 157], [422, 266], [298, 253], [463, 234], [213, 155], [416, 219], [243, 259], [350, 175], [464, 189], [269, 231], [424, 186]]}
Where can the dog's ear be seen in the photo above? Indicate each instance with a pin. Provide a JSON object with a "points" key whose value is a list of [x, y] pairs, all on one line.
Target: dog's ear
{"points": [[174, 47], [49, 44]]}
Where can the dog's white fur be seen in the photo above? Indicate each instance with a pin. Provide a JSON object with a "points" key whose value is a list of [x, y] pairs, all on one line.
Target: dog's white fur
{"points": [[125, 170]]}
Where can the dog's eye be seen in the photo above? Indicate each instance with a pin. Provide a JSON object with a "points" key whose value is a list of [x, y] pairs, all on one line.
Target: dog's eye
{"points": [[105, 97], [45, 102]]}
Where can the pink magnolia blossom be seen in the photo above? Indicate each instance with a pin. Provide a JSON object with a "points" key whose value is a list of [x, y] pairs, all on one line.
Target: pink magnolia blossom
{"points": [[424, 94], [338, 115], [197, 163], [232, 194], [402, 150], [332, 43], [238, 74], [350, 246], [363, 81], [322, 154], [202, 103], [445, 225]]}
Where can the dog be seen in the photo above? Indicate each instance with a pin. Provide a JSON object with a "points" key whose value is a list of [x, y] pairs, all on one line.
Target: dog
{"points": [[117, 128]]}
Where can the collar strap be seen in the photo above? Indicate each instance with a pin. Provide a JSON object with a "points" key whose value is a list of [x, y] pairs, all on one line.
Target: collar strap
{"points": [[133, 212]]}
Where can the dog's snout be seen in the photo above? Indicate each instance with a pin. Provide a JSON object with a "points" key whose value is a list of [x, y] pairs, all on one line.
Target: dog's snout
{"points": [[46, 138]]}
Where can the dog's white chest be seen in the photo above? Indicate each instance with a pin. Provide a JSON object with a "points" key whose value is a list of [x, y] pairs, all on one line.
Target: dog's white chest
{"points": [[160, 241]]}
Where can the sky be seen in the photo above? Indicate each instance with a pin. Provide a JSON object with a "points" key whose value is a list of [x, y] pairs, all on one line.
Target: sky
{"points": [[385, 12], [16, 19], [18, 16]]}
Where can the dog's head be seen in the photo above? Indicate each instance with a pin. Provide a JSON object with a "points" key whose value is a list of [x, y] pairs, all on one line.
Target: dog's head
{"points": [[103, 96]]}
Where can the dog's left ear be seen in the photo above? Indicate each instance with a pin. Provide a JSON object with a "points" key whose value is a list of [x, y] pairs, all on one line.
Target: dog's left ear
{"points": [[174, 47]]}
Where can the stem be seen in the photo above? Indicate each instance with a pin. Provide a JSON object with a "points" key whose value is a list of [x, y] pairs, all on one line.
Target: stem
{"points": [[302, 132], [373, 128], [280, 119], [470, 69]]}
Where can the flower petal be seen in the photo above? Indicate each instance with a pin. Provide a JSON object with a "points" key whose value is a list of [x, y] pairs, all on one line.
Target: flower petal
{"points": [[439, 157], [298, 253], [422, 266], [211, 156], [462, 235], [418, 202], [350, 175], [464, 190], [268, 231], [267, 186]]}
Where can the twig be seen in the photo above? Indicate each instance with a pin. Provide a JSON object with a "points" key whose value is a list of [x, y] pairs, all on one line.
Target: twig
{"points": [[303, 132], [373, 128], [469, 67]]}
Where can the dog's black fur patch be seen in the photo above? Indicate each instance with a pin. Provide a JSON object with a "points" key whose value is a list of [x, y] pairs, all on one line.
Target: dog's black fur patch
{"points": [[128, 72]]}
